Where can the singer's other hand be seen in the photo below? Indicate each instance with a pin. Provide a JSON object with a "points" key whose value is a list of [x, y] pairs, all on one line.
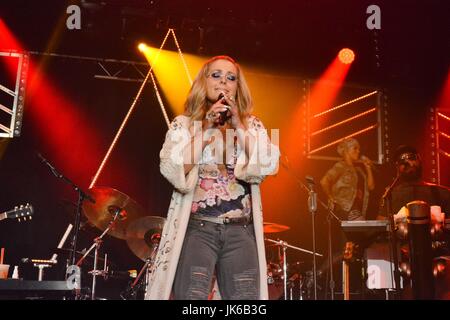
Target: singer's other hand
{"points": [[235, 119], [367, 162], [212, 116]]}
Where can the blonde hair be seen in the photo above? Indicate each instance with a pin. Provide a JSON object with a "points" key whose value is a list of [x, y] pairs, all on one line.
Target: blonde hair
{"points": [[196, 104]]}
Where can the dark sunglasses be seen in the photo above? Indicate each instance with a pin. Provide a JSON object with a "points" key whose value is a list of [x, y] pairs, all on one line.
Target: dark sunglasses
{"points": [[408, 156]]}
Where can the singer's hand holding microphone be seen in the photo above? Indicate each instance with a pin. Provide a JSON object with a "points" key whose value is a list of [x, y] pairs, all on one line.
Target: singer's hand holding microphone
{"points": [[222, 110], [366, 162]]}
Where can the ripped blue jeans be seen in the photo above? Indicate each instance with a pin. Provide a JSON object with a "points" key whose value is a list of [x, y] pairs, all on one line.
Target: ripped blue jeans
{"points": [[226, 250]]}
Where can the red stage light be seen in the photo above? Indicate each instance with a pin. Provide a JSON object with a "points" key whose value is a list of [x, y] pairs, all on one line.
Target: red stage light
{"points": [[346, 56]]}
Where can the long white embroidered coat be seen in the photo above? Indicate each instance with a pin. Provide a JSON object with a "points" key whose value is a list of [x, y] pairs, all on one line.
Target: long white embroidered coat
{"points": [[165, 265]]}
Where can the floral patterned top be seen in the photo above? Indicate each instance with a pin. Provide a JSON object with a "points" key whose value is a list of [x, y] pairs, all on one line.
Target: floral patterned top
{"points": [[220, 195]]}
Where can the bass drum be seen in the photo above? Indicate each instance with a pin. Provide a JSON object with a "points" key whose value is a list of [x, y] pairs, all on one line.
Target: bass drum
{"points": [[275, 281], [295, 280], [276, 290]]}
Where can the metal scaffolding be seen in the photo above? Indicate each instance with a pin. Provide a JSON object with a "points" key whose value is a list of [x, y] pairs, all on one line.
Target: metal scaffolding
{"points": [[12, 107], [440, 144]]}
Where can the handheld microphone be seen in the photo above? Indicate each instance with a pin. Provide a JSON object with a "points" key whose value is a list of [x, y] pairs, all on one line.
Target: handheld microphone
{"points": [[223, 116], [48, 164], [364, 158], [310, 180]]}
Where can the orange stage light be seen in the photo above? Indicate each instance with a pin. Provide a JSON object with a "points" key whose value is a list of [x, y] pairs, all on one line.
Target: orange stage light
{"points": [[346, 56]]}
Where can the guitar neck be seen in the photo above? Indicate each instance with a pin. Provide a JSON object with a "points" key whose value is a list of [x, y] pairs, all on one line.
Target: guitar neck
{"points": [[19, 212]]}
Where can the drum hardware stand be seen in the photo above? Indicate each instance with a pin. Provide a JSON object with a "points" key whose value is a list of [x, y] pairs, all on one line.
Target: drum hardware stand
{"points": [[284, 271], [387, 198], [284, 246], [134, 286], [131, 290], [97, 243], [300, 284], [81, 197], [41, 265]]}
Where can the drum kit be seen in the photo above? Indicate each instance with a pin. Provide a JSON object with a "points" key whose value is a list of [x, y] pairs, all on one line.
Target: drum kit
{"points": [[116, 214], [284, 278], [119, 216]]}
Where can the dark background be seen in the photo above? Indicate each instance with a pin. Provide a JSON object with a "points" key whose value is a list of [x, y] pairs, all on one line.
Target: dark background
{"points": [[407, 59]]}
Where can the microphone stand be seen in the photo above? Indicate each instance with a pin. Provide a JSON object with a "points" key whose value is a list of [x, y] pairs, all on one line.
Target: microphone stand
{"points": [[330, 253], [81, 197], [312, 206], [387, 199]]}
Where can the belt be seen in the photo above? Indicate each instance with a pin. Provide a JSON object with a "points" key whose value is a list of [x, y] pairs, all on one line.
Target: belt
{"points": [[225, 220]]}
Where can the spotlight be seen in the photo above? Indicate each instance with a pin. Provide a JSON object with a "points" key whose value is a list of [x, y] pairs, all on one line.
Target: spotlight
{"points": [[346, 56], [142, 47]]}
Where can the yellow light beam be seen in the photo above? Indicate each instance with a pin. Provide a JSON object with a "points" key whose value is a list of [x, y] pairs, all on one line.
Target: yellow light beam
{"points": [[171, 72]]}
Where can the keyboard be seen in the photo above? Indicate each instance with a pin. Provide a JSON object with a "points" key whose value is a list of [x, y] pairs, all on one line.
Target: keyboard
{"points": [[17, 289], [31, 285], [365, 225], [364, 231]]}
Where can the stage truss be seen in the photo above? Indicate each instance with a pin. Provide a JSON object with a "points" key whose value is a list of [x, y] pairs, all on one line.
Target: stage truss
{"points": [[12, 98]]}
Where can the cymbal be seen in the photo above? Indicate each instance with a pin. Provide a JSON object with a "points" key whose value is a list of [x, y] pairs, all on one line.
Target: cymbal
{"points": [[270, 227], [143, 235], [107, 202]]}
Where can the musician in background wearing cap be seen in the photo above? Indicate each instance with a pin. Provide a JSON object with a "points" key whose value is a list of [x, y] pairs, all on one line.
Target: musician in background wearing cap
{"points": [[411, 186]]}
